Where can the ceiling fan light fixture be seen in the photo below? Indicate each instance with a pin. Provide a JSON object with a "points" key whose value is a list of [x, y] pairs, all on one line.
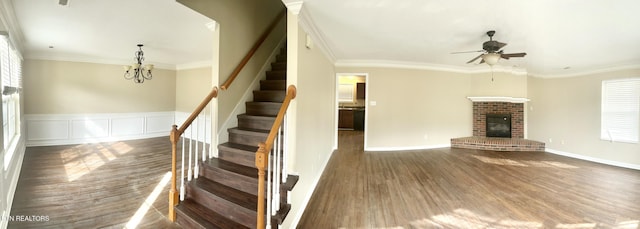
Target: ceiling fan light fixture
{"points": [[491, 58]]}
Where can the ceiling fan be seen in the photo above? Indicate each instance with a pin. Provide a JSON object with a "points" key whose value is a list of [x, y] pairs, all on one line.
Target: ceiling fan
{"points": [[492, 51]]}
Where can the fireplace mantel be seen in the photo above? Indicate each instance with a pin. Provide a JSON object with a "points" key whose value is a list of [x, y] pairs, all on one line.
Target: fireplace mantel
{"points": [[498, 99]]}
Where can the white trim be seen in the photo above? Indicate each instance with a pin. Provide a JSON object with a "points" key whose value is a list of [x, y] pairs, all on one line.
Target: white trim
{"points": [[293, 5], [13, 183], [587, 72], [93, 60], [497, 99], [309, 194], [10, 22], [194, 65], [427, 66], [594, 159], [309, 26], [405, 148], [64, 129]]}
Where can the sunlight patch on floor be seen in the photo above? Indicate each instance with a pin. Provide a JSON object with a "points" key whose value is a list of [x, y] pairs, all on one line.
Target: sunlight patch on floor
{"points": [[463, 218], [148, 203], [78, 162], [524, 163]]}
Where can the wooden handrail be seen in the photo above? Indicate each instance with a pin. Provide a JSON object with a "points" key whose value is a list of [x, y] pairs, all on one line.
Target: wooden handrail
{"points": [[253, 50], [262, 155], [174, 137]]}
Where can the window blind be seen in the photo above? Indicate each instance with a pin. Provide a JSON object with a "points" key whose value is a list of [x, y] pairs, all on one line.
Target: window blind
{"points": [[621, 110]]}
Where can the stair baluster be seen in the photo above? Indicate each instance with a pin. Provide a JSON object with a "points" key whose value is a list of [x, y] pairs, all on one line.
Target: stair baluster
{"points": [[182, 178], [271, 166]]}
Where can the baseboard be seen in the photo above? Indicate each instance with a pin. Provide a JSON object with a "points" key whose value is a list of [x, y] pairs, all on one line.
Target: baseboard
{"points": [[65, 129], [594, 159], [404, 148], [309, 193]]}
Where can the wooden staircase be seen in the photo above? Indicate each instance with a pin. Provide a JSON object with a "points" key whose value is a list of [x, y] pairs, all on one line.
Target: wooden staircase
{"points": [[225, 194]]}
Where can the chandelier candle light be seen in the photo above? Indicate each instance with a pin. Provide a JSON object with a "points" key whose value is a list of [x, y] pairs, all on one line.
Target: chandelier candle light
{"points": [[139, 73]]}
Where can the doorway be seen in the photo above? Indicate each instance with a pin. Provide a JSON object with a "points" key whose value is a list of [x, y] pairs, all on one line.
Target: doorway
{"points": [[351, 103]]}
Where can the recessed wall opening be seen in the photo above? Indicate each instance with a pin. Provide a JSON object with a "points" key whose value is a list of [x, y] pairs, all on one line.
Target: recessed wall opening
{"points": [[498, 125]]}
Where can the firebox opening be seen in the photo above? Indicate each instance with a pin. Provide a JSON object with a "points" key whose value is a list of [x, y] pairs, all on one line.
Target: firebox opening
{"points": [[498, 125]]}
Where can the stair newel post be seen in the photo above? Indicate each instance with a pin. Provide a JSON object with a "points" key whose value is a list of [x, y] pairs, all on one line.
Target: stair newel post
{"points": [[262, 160], [173, 194]]}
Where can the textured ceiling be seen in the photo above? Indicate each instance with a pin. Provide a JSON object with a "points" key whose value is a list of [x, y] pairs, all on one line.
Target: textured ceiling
{"points": [[581, 35], [560, 37], [108, 31]]}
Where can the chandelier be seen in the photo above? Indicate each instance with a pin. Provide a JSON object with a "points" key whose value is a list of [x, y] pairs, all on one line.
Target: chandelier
{"points": [[139, 73]]}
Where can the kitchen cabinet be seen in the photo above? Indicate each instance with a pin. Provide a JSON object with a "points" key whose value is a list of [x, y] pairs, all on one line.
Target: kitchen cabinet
{"points": [[345, 119], [360, 91]]}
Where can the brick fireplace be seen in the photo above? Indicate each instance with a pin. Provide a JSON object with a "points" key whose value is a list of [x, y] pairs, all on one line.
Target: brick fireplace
{"points": [[506, 106], [481, 109]]}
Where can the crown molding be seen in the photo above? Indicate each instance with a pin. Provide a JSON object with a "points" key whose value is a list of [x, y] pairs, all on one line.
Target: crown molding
{"points": [[194, 65], [428, 66], [9, 21], [94, 60], [307, 23], [587, 72], [293, 5]]}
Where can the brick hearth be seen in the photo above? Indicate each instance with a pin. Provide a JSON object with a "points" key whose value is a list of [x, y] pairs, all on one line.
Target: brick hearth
{"points": [[479, 139]]}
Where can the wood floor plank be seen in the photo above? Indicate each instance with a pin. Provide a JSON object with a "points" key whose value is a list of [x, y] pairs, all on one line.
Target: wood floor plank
{"points": [[463, 188], [99, 185]]}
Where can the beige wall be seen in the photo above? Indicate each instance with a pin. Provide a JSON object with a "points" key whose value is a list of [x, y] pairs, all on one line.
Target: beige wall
{"points": [[62, 87], [312, 113], [426, 108], [241, 23], [192, 85], [567, 112]]}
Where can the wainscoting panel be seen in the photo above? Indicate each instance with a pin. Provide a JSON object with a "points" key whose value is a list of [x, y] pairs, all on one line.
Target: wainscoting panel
{"points": [[64, 129]]}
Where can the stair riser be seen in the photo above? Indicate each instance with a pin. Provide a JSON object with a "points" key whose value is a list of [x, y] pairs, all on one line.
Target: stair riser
{"points": [[231, 179], [246, 139], [186, 222], [241, 158], [279, 66], [273, 85], [260, 124], [268, 96], [224, 207], [265, 109], [281, 58], [276, 75]]}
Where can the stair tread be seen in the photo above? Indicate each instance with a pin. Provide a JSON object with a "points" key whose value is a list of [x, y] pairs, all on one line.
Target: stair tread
{"points": [[248, 131], [205, 216], [235, 196], [239, 146], [263, 117], [233, 167]]}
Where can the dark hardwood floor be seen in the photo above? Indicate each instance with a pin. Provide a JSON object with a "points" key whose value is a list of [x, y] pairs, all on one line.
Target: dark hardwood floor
{"points": [[461, 188], [103, 185]]}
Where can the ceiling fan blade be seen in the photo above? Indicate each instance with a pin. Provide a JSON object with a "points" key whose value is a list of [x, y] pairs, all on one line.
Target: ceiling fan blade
{"points": [[481, 61], [474, 59], [509, 55], [501, 45], [467, 52]]}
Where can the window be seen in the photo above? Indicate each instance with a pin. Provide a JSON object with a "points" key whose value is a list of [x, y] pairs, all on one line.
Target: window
{"points": [[621, 110], [11, 79]]}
